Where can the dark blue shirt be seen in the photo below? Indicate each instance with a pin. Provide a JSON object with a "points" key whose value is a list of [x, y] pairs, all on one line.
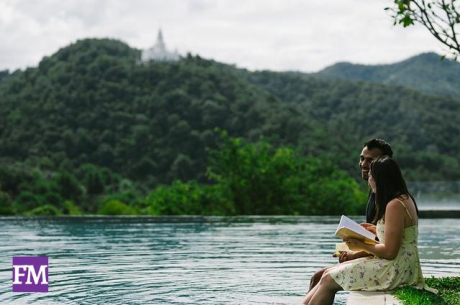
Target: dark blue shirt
{"points": [[370, 209]]}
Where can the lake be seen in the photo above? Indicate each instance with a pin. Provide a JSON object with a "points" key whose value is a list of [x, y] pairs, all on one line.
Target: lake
{"points": [[190, 260]]}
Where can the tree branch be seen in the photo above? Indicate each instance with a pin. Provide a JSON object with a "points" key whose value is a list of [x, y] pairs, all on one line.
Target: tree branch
{"points": [[439, 17]]}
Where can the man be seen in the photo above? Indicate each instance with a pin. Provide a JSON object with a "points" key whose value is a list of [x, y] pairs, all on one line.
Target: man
{"points": [[372, 149]]}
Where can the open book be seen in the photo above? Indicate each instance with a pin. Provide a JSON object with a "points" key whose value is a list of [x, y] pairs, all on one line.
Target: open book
{"points": [[349, 229]]}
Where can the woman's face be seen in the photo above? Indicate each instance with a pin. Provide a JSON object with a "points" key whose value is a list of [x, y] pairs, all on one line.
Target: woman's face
{"points": [[371, 182]]}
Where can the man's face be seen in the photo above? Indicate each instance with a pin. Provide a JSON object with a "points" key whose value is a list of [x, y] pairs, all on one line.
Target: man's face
{"points": [[365, 160]]}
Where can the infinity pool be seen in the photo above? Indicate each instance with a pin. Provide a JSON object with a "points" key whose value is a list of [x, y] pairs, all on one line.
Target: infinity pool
{"points": [[190, 260]]}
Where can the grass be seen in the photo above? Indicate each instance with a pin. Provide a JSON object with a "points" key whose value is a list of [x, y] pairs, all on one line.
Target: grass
{"points": [[448, 287]]}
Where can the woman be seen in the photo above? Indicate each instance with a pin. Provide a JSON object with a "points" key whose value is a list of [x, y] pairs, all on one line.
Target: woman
{"points": [[395, 261]]}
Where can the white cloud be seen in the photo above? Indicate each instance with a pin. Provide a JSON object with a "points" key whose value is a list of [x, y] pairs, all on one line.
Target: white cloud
{"points": [[255, 34]]}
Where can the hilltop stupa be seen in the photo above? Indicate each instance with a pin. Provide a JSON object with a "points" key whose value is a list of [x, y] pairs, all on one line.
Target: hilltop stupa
{"points": [[159, 52]]}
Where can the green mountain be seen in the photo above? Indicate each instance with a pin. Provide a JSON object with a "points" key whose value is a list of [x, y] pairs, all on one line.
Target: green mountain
{"points": [[425, 73], [94, 103], [422, 128]]}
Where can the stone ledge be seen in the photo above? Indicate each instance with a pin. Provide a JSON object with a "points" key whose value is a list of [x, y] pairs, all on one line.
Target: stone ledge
{"points": [[374, 298], [385, 297]]}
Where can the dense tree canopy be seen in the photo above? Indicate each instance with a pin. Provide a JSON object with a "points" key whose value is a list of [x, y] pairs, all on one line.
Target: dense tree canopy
{"points": [[91, 129], [420, 127], [94, 103]]}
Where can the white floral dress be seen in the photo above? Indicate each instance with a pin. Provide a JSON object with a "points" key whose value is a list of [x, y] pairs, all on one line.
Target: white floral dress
{"points": [[375, 274]]}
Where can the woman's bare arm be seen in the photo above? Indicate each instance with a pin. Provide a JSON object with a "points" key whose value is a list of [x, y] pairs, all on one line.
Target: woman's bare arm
{"points": [[394, 229]]}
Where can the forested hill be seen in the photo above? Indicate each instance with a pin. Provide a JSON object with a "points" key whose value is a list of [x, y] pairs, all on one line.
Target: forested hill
{"points": [[425, 73], [421, 128], [94, 103]]}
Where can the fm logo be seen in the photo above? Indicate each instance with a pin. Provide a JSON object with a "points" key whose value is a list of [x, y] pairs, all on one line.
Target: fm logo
{"points": [[30, 274]]}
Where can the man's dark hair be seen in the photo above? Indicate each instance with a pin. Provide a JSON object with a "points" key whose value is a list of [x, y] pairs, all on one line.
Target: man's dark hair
{"points": [[383, 145]]}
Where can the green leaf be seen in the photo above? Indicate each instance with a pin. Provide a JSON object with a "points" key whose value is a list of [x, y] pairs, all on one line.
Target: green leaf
{"points": [[406, 21]]}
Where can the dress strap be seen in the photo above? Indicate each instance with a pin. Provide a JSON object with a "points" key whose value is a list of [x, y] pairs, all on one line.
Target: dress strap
{"points": [[406, 210]]}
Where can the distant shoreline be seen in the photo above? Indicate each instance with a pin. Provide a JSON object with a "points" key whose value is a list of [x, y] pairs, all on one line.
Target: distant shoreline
{"points": [[425, 214], [439, 214]]}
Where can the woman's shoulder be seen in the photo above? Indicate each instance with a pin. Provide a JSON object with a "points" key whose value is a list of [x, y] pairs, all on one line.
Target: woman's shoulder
{"points": [[396, 206], [397, 203], [402, 201], [401, 206]]}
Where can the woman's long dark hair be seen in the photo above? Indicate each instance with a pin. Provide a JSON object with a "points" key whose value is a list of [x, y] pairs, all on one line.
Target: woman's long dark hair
{"points": [[389, 182]]}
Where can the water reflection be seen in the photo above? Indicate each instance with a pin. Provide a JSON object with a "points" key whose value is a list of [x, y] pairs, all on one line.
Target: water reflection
{"points": [[242, 260]]}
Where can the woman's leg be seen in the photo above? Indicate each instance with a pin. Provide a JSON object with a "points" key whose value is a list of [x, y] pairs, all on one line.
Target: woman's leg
{"points": [[314, 281], [310, 293], [325, 294], [316, 277]]}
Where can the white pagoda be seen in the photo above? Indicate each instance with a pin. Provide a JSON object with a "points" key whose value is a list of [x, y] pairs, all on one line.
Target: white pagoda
{"points": [[159, 52]]}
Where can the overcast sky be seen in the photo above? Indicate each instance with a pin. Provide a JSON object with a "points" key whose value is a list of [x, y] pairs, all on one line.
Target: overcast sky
{"points": [[304, 35]]}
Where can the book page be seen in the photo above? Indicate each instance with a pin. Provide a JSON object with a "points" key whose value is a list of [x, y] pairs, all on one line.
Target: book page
{"points": [[350, 229]]}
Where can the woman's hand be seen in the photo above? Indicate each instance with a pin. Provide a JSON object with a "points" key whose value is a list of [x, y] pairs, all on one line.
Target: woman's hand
{"points": [[370, 227], [354, 244], [347, 256]]}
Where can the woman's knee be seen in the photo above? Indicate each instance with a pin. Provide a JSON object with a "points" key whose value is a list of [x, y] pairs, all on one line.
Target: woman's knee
{"points": [[316, 277], [318, 274], [328, 281]]}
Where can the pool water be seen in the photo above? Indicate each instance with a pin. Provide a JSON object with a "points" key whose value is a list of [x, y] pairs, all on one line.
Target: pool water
{"points": [[190, 260]]}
